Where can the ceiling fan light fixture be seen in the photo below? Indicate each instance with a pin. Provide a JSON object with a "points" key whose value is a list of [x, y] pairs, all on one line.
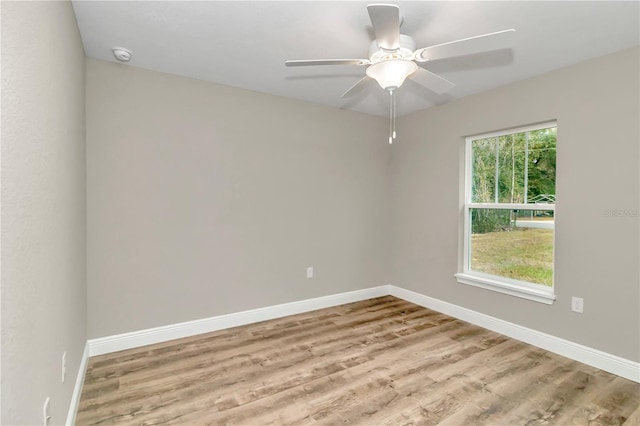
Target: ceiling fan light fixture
{"points": [[390, 74]]}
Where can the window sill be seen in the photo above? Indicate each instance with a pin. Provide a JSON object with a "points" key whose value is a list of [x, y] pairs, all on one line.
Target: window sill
{"points": [[530, 293]]}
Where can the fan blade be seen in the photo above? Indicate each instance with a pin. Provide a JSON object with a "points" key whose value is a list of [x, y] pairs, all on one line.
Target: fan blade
{"points": [[466, 46], [308, 62], [357, 88], [431, 81], [385, 19]]}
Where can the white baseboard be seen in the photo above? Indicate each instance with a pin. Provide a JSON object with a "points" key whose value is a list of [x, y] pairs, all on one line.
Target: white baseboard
{"points": [[596, 358], [77, 390], [150, 336], [593, 357]]}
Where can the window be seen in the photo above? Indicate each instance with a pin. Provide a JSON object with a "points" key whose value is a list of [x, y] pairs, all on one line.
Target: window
{"points": [[509, 210]]}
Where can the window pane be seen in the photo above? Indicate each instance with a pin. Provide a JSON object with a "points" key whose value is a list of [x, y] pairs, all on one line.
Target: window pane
{"points": [[541, 168], [516, 244], [514, 168], [484, 167]]}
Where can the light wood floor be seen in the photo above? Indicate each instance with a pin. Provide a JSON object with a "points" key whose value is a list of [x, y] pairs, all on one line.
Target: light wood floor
{"points": [[380, 361]]}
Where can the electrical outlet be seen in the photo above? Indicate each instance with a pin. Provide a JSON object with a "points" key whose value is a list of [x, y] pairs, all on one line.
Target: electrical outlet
{"points": [[310, 272], [577, 304], [64, 365], [45, 412]]}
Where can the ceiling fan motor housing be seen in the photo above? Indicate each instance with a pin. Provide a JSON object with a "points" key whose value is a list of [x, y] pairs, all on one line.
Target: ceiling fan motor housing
{"points": [[405, 51]]}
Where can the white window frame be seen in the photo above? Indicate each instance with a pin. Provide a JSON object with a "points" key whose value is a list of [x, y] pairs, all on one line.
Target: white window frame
{"points": [[531, 291]]}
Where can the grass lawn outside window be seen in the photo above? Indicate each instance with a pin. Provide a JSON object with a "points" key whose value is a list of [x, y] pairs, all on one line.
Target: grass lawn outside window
{"points": [[524, 254]]}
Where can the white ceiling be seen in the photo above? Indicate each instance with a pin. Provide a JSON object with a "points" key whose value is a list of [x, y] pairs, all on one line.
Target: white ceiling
{"points": [[244, 44]]}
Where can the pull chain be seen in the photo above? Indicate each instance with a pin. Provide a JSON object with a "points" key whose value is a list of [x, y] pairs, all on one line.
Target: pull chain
{"points": [[392, 130], [393, 96], [392, 115]]}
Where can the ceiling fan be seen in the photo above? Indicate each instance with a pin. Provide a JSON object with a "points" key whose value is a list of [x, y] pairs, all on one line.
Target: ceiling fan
{"points": [[393, 56]]}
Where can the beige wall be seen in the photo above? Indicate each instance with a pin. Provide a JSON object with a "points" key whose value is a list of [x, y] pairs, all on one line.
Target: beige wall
{"points": [[206, 200], [596, 105], [43, 209]]}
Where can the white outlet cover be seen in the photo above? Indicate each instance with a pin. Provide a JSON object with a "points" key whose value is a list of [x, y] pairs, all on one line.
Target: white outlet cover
{"points": [[577, 304], [45, 412], [64, 365], [310, 272]]}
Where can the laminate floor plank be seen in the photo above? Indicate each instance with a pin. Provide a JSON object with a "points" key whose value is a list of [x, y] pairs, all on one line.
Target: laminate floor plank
{"points": [[382, 361], [253, 370], [299, 379], [634, 418]]}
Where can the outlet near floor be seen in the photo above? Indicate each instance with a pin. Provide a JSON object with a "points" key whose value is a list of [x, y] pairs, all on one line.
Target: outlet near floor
{"points": [[45, 412], [64, 365], [577, 304]]}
